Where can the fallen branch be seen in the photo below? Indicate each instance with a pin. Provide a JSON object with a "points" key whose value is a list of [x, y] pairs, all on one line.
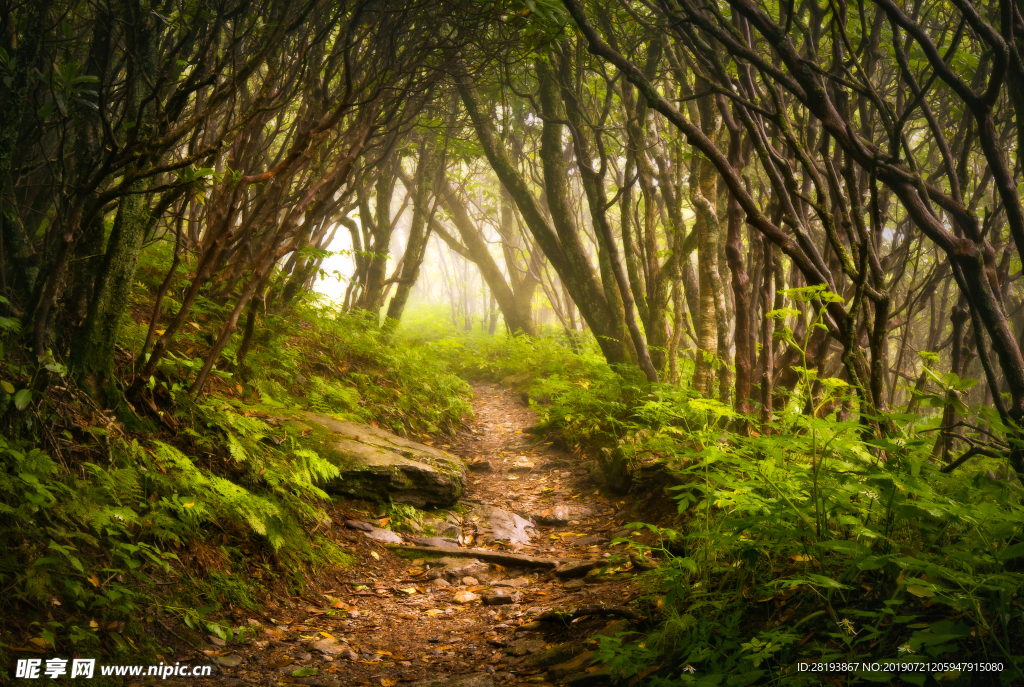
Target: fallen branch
{"points": [[510, 560], [974, 450]]}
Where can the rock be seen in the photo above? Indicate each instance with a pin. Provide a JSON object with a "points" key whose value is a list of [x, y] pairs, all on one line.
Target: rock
{"points": [[517, 583], [442, 542], [523, 647], [595, 576], [553, 656], [359, 525], [465, 597], [454, 569], [441, 583], [382, 535], [349, 655], [418, 563], [560, 514], [558, 464], [621, 534], [503, 525], [480, 466], [522, 466], [499, 598], [470, 680], [229, 661], [615, 627], [330, 647], [376, 464], [577, 664], [616, 470], [584, 542], [599, 677], [572, 585], [470, 581], [574, 569], [216, 641]]}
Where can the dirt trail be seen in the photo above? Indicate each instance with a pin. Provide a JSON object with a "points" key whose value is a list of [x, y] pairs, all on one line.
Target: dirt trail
{"points": [[396, 620]]}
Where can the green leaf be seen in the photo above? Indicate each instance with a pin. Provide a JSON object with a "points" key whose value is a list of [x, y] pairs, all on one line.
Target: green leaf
{"points": [[22, 399], [305, 672]]}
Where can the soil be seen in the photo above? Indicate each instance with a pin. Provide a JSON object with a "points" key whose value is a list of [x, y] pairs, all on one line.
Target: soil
{"points": [[386, 622]]}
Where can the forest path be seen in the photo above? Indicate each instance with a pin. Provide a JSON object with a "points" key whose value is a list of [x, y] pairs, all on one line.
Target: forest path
{"points": [[399, 626]]}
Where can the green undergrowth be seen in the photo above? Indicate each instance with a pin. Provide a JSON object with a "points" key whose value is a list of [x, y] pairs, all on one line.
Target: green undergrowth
{"points": [[112, 537]]}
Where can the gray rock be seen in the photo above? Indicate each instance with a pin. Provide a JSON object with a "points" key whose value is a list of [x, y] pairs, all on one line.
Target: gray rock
{"points": [[554, 656], [523, 647], [599, 677], [499, 598], [331, 647], [470, 680], [229, 661], [574, 569], [615, 469], [576, 664], [584, 542], [359, 525], [559, 514], [443, 542], [480, 466], [382, 535], [376, 464], [573, 585], [503, 525]]}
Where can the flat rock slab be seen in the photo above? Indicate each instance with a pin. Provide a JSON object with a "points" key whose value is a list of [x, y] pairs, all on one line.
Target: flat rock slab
{"points": [[376, 533], [574, 569], [503, 525], [376, 464], [441, 542], [522, 647], [559, 514], [470, 680]]}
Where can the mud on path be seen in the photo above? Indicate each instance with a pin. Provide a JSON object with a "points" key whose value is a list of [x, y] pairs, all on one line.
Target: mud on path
{"points": [[400, 618]]}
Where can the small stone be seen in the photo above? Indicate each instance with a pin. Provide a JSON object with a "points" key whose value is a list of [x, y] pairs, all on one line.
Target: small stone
{"points": [[480, 466], [349, 655], [470, 581], [330, 647], [418, 563], [465, 597], [584, 542], [229, 661], [576, 568], [497, 599], [359, 525], [572, 585], [216, 641], [523, 647], [434, 640], [441, 583]]}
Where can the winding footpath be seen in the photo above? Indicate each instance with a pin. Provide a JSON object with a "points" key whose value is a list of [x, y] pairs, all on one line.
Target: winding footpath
{"points": [[435, 613]]}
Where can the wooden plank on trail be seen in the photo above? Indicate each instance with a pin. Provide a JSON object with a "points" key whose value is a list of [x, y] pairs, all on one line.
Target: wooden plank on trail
{"points": [[511, 560]]}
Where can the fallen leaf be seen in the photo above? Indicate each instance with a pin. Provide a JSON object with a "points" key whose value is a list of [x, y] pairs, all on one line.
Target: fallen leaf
{"points": [[375, 555]]}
